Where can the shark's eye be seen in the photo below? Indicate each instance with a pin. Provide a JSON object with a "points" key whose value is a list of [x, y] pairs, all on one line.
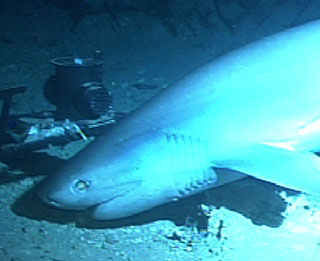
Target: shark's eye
{"points": [[81, 185]]}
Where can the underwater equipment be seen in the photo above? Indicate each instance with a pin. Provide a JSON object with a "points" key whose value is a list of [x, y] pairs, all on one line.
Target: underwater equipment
{"points": [[77, 88], [83, 107]]}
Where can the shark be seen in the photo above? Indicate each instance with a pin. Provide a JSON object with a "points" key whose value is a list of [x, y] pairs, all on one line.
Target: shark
{"points": [[253, 111]]}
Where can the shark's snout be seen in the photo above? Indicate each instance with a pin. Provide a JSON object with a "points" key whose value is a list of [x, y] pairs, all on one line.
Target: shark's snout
{"points": [[80, 194], [65, 195], [52, 200]]}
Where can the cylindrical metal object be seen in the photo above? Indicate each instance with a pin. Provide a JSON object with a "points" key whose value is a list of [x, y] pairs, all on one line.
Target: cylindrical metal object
{"points": [[71, 74]]}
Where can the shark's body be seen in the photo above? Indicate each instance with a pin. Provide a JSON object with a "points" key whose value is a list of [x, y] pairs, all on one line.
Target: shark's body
{"points": [[255, 110]]}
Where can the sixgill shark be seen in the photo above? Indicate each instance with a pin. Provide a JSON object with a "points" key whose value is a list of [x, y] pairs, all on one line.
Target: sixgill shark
{"points": [[255, 110]]}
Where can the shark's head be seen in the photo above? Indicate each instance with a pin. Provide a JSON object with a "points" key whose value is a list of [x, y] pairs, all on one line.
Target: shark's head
{"points": [[113, 185]]}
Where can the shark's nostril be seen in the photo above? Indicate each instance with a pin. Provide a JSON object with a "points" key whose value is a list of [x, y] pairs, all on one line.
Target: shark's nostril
{"points": [[52, 202], [47, 199]]}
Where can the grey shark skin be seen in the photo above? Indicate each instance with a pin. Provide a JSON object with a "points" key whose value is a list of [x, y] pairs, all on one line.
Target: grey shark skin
{"points": [[255, 110]]}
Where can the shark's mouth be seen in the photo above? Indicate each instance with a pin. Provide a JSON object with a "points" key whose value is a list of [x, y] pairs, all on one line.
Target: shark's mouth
{"points": [[117, 206]]}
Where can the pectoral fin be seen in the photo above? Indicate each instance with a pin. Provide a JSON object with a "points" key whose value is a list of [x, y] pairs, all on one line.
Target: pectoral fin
{"points": [[291, 169]]}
